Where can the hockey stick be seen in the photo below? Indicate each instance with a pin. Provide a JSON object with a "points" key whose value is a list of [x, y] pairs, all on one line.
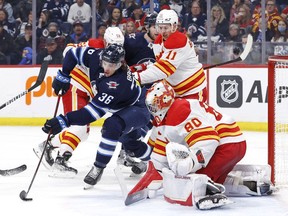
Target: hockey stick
{"points": [[23, 194], [14, 171], [242, 57], [140, 190], [38, 82]]}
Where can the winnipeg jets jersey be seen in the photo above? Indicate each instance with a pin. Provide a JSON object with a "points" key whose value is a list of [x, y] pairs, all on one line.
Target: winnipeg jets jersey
{"points": [[113, 93], [177, 63], [138, 49]]}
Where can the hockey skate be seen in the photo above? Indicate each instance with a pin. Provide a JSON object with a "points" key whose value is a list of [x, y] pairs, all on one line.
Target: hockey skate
{"points": [[128, 161], [60, 169], [48, 159], [93, 177], [212, 201]]}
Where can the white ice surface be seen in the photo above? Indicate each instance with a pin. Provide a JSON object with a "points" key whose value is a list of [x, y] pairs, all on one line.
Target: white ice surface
{"points": [[66, 197]]}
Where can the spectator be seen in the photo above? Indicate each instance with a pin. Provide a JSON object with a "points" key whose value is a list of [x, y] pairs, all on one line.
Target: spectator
{"points": [[116, 19], [127, 7], [26, 56], [8, 8], [130, 28], [177, 6], [50, 49], [22, 11], [234, 9], [194, 21], [9, 27], [7, 47], [281, 36], [102, 11], [20, 29], [284, 13], [272, 18], [52, 31], [43, 22], [79, 11], [234, 35], [138, 17], [145, 4], [225, 4], [78, 35], [24, 40], [219, 21], [101, 28], [58, 10], [243, 18]]}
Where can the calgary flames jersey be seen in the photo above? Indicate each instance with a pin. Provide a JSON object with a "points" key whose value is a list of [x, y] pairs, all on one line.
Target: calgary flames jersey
{"points": [[177, 63], [197, 126]]}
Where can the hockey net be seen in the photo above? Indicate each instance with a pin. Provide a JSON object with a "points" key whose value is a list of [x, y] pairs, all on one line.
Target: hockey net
{"points": [[278, 119]]}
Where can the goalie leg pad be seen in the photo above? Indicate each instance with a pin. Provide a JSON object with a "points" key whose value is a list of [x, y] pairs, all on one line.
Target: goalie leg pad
{"points": [[183, 190], [249, 180]]}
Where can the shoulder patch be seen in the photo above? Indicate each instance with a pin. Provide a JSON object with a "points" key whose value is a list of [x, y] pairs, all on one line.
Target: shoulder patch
{"points": [[178, 112], [176, 40]]}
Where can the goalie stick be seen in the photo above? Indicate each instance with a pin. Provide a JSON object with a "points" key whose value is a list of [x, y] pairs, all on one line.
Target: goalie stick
{"points": [[14, 171], [38, 82], [242, 57], [23, 194]]}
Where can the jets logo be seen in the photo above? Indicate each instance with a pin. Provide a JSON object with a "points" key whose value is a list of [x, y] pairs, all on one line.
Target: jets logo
{"points": [[112, 85]]}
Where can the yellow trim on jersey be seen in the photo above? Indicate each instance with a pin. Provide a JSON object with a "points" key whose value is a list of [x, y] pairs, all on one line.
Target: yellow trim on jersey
{"points": [[82, 80]]}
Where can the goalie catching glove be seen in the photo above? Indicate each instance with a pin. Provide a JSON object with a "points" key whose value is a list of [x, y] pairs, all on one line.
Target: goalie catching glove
{"points": [[61, 83], [56, 125], [179, 159]]}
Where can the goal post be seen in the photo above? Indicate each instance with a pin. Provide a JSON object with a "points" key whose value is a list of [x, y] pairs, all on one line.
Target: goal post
{"points": [[278, 119]]}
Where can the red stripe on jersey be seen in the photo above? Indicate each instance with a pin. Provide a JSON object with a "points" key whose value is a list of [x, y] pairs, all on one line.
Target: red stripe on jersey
{"points": [[190, 83], [201, 134], [80, 77], [165, 66], [160, 147], [226, 130], [178, 112], [151, 142], [69, 139]]}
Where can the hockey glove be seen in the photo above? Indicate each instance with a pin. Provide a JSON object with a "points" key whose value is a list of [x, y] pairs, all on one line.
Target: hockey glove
{"points": [[138, 67], [61, 83], [56, 125], [179, 159]]}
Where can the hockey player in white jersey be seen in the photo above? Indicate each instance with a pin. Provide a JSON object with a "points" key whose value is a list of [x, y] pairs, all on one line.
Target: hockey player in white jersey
{"points": [[196, 146]]}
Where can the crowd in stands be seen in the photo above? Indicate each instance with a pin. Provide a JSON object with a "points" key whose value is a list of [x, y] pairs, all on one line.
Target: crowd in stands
{"points": [[60, 22]]}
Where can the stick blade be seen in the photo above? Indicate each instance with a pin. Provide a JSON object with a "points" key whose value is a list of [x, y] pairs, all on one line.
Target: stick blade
{"points": [[248, 47], [23, 196], [14, 171], [136, 197]]}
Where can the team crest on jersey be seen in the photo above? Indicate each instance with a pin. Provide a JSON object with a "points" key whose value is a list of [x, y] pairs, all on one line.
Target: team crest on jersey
{"points": [[112, 85], [229, 91]]}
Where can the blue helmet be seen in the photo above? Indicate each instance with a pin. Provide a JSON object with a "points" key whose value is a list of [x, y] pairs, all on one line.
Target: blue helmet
{"points": [[114, 53]]}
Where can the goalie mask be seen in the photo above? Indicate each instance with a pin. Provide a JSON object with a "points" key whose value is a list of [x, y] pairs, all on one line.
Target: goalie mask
{"points": [[159, 98]]}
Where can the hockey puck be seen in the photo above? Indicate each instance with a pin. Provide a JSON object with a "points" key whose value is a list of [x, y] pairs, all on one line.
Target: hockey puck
{"points": [[23, 196]]}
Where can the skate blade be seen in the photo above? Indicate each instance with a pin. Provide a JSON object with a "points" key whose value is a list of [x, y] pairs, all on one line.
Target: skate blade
{"points": [[88, 187], [61, 174], [38, 153]]}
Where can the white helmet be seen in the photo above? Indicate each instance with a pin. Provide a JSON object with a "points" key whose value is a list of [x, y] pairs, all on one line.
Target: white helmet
{"points": [[113, 35], [158, 100], [167, 17]]}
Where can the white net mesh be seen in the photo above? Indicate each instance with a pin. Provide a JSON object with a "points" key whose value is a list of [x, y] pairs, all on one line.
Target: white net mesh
{"points": [[281, 122]]}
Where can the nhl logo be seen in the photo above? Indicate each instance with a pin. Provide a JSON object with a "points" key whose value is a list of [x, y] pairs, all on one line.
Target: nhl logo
{"points": [[229, 91]]}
